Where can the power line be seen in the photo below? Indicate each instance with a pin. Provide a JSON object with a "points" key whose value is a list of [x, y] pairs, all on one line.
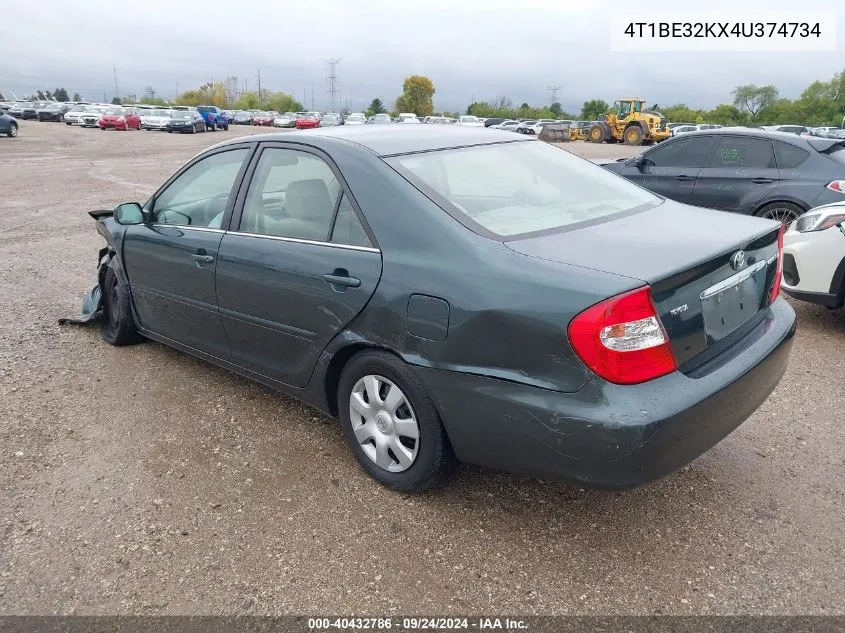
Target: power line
{"points": [[553, 90], [331, 78]]}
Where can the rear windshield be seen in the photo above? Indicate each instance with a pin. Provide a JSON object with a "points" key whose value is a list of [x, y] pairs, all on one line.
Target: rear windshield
{"points": [[511, 189]]}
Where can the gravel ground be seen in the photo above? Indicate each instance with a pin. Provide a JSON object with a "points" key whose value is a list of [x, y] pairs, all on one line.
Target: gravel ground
{"points": [[140, 480]]}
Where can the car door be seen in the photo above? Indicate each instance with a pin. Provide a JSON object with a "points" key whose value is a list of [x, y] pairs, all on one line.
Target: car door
{"points": [[671, 168], [740, 172], [296, 266], [170, 259]]}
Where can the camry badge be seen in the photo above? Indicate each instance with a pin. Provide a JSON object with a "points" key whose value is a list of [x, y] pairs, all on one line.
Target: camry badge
{"points": [[738, 260]]}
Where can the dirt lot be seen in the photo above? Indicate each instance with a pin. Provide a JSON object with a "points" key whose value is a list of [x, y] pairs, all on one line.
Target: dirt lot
{"points": [[139, 480]]}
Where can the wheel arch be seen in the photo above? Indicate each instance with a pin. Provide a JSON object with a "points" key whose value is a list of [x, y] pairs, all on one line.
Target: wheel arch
{"points": [[837, 283], [337, 362]]}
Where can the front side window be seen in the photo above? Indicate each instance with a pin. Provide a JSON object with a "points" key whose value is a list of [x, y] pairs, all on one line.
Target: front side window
{"points": [[292, 194], [198, 196], [684, 151], [521, 187]]}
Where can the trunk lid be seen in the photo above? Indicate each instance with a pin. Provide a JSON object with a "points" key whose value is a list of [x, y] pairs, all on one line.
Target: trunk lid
{"points": [[710, 272]]}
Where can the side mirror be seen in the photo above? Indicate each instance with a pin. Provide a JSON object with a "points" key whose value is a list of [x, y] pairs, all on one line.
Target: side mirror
{"points": [[129, 213], [639, 161]]}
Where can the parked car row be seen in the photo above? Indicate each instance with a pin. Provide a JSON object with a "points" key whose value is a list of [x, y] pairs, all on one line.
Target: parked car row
{"points": [[117, 117]]}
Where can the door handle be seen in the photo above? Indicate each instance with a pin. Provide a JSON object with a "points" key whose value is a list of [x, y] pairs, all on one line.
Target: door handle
{"points": [[761, 181], [684, 178], [342, 278], [202, 259]]}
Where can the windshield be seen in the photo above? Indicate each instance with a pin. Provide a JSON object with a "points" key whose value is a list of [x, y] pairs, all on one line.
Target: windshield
{"points": [[182, 115], [382, 117], [469, 119], [514, 188], [355, 117], [115, 111]]}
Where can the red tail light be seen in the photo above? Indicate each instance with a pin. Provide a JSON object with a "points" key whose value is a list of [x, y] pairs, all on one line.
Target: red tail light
{"points": [[779, 269], [837, 186], [622, 339]]}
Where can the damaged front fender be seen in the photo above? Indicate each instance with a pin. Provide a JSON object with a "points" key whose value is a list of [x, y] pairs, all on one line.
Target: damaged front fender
{"points": [[92, 302]]}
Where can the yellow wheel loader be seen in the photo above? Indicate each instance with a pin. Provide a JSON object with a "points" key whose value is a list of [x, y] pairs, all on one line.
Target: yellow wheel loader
{"points": [[630, 123]]}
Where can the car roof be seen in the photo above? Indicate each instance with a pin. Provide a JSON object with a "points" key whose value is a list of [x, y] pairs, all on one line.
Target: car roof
{"points": [[761, 133], [387, 141]]}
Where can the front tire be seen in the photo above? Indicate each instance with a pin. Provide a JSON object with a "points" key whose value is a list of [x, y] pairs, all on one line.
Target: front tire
{"points": [[12, 132], [392, 425], [118, 327], [633, 135]]}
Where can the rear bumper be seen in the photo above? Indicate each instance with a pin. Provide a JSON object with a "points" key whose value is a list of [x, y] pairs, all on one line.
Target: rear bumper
{"points": [[611, 436]]}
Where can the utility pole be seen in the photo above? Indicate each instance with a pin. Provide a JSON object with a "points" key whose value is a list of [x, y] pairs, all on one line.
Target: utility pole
{"points": [[312, 97], [553, 90], [115, 81], [260, 98]]}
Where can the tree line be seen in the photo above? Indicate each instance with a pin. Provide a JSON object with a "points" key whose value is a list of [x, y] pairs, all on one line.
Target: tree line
{"points": [[821, 103]]}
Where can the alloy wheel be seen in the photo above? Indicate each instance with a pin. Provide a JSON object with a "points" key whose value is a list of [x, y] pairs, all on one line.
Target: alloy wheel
{"points": [[384, 423], [13, 131], [784, 215]]}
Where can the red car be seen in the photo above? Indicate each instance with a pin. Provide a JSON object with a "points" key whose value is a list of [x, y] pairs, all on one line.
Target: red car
{"points": [[306, 121], [264, 119], [120, 119]]}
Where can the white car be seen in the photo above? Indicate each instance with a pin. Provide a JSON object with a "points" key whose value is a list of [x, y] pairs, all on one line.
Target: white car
{"points": [[288, 119], [470, 121], [684, 129], [537, 126], [86, 115], [509, 125], [814, 256], [155, 119], [356, 118]]}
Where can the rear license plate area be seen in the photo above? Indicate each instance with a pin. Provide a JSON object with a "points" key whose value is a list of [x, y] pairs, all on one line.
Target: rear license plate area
{"points": [[731, 303]]}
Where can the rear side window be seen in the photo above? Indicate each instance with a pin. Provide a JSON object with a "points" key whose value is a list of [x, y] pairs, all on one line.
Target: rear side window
{"points": [[788, 156], [742, 152], [690, 151]]}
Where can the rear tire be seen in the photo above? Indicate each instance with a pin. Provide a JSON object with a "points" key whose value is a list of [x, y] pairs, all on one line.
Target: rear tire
{"points": [[785, 212], [433, 460], [118, 327], [596, 134]]}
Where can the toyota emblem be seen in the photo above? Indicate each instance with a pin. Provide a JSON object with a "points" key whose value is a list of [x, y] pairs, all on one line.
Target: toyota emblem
{"points": [[738, 260]]}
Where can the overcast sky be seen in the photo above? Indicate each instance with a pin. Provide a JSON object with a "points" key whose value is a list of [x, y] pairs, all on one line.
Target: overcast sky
{"points": [[468, 48]]}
